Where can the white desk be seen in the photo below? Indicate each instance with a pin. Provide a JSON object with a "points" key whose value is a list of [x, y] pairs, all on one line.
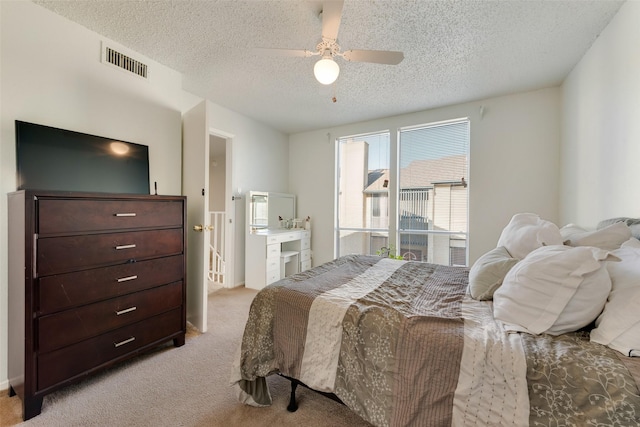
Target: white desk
{"points": [[263, 252]]}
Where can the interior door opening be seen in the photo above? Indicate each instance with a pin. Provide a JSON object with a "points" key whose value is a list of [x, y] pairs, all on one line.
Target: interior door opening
{"points": [[219, 255], [197, 144]]}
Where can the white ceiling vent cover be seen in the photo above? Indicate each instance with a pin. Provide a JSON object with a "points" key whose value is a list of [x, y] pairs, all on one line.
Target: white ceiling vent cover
{"points": [[116, 58]]}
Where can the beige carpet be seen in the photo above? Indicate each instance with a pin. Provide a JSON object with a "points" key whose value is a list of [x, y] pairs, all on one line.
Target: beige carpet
{"points": [[186, 386]]}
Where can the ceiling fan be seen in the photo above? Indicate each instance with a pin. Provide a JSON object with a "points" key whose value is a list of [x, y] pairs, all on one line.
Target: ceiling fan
{"points": [[326, 69]]}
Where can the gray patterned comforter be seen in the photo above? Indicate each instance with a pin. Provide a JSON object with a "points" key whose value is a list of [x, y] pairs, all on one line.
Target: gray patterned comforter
{"points": [[403, 344]]}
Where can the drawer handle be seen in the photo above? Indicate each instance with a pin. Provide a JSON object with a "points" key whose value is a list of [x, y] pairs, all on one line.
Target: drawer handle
{"points": [[126, 279], [125, 247], [126, 214], [126, 310], [127, 341]]}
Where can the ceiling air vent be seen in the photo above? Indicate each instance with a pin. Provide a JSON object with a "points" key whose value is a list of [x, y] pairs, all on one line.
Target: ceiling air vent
{"points": [[124, 62]]}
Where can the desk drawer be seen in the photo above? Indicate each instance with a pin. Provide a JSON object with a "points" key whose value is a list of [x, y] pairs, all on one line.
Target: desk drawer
{"points": [[61, 291], [72, 253], [283, 237], [273, 251], [77, 324], [272, 276], [271, 240], [68, 362], [82, 215], [273, 264], [305, 255]]}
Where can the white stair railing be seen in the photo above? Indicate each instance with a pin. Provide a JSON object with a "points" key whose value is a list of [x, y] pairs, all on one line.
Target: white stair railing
{"points": [[217, 254]]}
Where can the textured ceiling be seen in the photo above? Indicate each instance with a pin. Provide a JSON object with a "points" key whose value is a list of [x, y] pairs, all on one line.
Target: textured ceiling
{"points": [[455, 51]]}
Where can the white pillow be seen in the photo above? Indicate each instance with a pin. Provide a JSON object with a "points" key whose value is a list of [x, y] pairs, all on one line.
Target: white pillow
{"points": [[631, 243], [554, 290], [633, 223], [488, 272], [608, 238], [619, 324], [526, 232]]}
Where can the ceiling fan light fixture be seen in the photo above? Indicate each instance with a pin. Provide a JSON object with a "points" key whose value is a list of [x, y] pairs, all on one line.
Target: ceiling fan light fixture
{"points": [[326, 70]]}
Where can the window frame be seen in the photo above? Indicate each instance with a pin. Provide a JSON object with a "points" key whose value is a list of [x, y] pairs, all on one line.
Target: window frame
{"points": [[394, 230]]}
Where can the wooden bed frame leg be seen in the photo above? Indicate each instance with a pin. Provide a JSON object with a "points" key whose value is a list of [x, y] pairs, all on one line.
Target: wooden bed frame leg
{"points": [[293, 406]]}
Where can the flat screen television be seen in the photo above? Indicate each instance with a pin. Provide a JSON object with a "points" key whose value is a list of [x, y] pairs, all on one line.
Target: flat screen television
{"points": [[49, 158]]}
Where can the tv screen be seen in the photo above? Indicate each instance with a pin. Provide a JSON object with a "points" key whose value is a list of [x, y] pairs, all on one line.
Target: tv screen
{"points": [[56, 159]]}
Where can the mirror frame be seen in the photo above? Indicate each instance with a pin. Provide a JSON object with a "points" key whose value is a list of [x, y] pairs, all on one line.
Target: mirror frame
{"points": [[271, 203]]}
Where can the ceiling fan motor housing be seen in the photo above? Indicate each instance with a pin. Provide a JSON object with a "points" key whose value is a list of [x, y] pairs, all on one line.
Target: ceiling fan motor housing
{"points": [[328, 47]]}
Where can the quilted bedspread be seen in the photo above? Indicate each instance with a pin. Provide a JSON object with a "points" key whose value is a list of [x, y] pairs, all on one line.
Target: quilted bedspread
{"points": [[403, 344]]}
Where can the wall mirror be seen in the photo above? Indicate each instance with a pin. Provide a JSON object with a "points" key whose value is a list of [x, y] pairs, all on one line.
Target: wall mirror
{"points": [[266, 208]]}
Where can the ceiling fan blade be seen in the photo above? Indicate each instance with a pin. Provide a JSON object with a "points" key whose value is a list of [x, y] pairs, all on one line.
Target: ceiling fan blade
{"points": [[300, 53], [331, 16], [375, 56]]}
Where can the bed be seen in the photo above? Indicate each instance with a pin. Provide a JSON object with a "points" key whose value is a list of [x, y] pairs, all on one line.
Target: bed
{"points": [[406, 343]]}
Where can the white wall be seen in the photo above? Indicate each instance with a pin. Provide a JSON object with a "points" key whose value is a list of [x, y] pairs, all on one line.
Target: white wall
{"points": [[514, 165], [261, 154], [601, 126], [51, 74]]}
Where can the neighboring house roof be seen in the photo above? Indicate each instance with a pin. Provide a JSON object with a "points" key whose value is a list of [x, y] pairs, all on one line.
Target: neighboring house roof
{"points": [[376, 175], [421, 174], [375, 181]]}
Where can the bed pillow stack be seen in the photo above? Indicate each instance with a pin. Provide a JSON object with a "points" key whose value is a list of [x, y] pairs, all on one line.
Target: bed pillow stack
{"points": [[554, 290], [548, 280]]}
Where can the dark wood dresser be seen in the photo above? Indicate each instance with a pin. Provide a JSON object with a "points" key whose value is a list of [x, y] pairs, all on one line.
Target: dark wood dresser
{"points": [[94, 279]]}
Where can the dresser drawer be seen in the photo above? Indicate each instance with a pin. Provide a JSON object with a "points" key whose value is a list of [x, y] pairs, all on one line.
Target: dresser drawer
{"points": [[72, 253], [62, 291], [68, 362], [305, 255], [82, 215], [77, 324]]}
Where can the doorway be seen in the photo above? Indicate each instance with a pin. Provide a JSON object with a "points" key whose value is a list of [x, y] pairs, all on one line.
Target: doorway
{"points": [[198, 140], [219, 255]]}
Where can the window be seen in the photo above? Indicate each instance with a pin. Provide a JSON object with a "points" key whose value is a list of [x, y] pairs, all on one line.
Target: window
{"points": [[362, 194], [375, 205], [427, 191], [433, 202]]}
